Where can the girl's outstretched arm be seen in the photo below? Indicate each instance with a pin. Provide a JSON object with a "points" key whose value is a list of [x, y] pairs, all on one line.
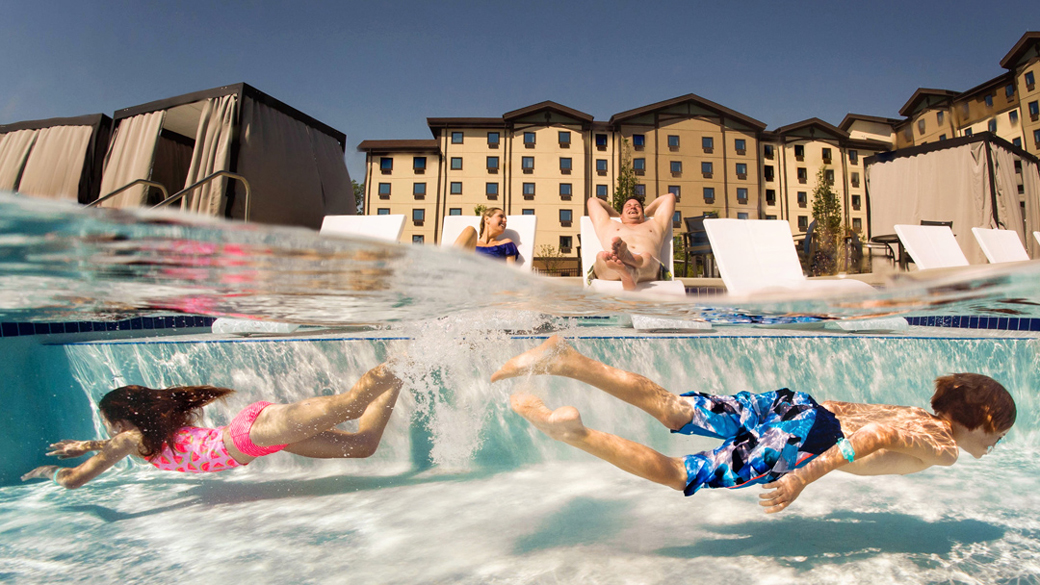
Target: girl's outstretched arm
{"points": [[111, 452]]}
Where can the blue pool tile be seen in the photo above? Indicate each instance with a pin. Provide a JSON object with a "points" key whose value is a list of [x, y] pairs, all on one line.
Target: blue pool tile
{"points": [[25, 329], [170, 322], [1002, 323], [180, 321], [72, 327], [1012, 324], [136, 323], [146, 323], [9, 329], [57, 328], [1034, 324], [973, 322]]}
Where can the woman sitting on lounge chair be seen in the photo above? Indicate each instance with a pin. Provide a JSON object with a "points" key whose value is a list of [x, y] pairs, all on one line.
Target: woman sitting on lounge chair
{"points": [[492, 225]]}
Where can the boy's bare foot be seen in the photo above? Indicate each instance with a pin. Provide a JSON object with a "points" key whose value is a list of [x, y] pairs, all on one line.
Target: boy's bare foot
{"points": [[624, 255], [562, 424], [625, 274], [547, 358]]}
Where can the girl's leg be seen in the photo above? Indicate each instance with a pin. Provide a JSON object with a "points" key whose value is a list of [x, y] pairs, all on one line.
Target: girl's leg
{"points": [[558, 358], [292, 423], [335, 443], [564, 424]]}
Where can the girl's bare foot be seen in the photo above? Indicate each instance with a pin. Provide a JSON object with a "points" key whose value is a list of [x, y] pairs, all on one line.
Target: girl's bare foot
{"points": [[562, 424], [625, 274], [548, 358]]}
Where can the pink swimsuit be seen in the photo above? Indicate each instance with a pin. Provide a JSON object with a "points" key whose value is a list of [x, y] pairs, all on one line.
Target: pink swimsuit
{"points": [[195, 450]]}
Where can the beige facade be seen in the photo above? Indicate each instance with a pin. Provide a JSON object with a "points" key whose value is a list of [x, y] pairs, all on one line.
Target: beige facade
{"points": [[404, 177]]}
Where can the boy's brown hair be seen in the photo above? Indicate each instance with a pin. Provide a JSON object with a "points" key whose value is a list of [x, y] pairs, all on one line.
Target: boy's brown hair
{"points": [[974, 400]]}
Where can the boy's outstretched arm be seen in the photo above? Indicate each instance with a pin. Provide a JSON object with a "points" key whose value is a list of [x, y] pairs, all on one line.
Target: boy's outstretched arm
{"points": [[917, 451]]}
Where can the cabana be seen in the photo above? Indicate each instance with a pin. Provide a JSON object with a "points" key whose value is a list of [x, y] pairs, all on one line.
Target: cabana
{"points": [[293, 164], [57, 158], [972, 181]]}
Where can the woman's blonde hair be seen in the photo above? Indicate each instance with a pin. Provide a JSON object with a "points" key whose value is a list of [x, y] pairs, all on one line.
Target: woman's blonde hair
{"points": [[483, 219]]}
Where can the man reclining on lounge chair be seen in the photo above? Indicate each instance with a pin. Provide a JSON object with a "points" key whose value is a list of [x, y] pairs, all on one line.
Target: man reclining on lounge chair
{"points": [[631, 247]]}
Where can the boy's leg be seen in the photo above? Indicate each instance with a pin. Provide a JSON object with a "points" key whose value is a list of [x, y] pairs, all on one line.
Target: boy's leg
{"points": [[557, 358], [564, 424], [335, 443], [292, 423]]}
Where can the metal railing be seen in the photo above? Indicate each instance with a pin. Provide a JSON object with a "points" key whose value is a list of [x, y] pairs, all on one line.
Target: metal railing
{"points": [[127, 186], [180, 194]]}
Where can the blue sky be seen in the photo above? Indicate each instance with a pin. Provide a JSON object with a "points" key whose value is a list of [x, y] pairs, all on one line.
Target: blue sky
{"points": [[377, 70]]}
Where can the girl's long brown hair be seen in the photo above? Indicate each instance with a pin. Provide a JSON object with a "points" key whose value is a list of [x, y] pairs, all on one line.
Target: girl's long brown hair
{"points": [[483, 218], [158, 413]]}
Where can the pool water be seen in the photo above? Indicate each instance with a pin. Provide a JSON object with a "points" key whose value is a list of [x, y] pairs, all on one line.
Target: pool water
{"points": [[462, 489]]}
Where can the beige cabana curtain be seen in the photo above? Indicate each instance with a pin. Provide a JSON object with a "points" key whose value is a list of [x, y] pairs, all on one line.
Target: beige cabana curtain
{"points": [[14, 150], [130, 158], [336, 189], [212, 153], [55, 165], [1031, 189]]}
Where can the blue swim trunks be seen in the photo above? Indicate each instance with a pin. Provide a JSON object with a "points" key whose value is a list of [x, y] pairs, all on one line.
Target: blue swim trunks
{"points": [[764, 437]]}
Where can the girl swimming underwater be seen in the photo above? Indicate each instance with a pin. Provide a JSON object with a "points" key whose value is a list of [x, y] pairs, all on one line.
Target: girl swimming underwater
{"points": [[156, 425]]}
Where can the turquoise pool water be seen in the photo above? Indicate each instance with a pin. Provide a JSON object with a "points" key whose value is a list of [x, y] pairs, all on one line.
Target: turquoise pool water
{"points": [[463, 490]]}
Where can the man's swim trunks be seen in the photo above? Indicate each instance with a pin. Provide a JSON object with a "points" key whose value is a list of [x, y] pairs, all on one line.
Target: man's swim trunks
{"points": [[764, 437]]}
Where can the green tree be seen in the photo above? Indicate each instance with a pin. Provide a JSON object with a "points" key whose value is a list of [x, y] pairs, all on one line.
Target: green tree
{"points": [[830, 232], [479, 209], [359, 196], [626, 179]]}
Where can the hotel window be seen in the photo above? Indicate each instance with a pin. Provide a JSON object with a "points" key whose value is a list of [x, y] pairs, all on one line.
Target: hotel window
{"points": [[803, 199], [419, 190], [527, 164], [803, 175], [767, 172], [770, 196], [455, 211], [565, 191], [638, 141], [742, 215], [942, 137], [601, 141], [528, 189], [419, 164], [640, 190], [384, 190], [676, 167], [456, 188], [1013, 117], [675, 190], [968, 132], [908, 132], [799, 151], [418, 216], [767, 151], [853, 157], [566, 216], [989, 101], [677, 219], [491, 190], [939, 117], [855, 179], [493, 139], [383, 211], [418, 238], [709, 194], [770, 217], [529, 139], [601, 192], [856, 202], [706, 169], [456, 163], [639, 166], [829, 175], [1030, 81], [1036, 137], [526, 212], [742, 195], [920, 126], [565, 139], [1017, 142], [826, 152], [566, 243], [456, 137], [492, 164], [803, 223], [601, 166], [673, 141], [1009, 90], [565, 165], [740, 145], [707, 143], [857, 224], [1034, 110], [386, 164], [992, 126], [741, 170]]}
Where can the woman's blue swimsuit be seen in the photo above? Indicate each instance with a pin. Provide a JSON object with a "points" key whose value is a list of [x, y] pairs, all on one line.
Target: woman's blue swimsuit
{"points": [[765, 436], [500, 251]]}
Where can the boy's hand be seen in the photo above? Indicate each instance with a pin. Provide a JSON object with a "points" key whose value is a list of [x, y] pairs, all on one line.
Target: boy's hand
{"points": [[69, 449], [785, 490]]}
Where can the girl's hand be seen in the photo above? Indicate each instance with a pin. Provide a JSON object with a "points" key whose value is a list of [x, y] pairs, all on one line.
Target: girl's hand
{"points": [[42, 472], [69, 449], [785, 491]]}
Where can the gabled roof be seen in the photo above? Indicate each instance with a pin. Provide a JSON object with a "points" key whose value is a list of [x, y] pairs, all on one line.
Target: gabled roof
{"points": [[398, 146], [465, 122], [548, 105], [706, 104], [1030, 40], [1000, 80], [812, 124], [925, 93], [851, 119]]}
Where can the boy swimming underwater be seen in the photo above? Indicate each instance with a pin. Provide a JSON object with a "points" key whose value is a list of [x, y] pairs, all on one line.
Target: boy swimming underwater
{"points": [[782, 440]]}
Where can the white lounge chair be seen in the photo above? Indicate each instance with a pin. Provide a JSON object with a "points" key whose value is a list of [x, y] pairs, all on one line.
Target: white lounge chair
{"points": [[590, 247], [1000, 245], [521, 230], [931, 246], [379, 227], [1036, 236]]}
